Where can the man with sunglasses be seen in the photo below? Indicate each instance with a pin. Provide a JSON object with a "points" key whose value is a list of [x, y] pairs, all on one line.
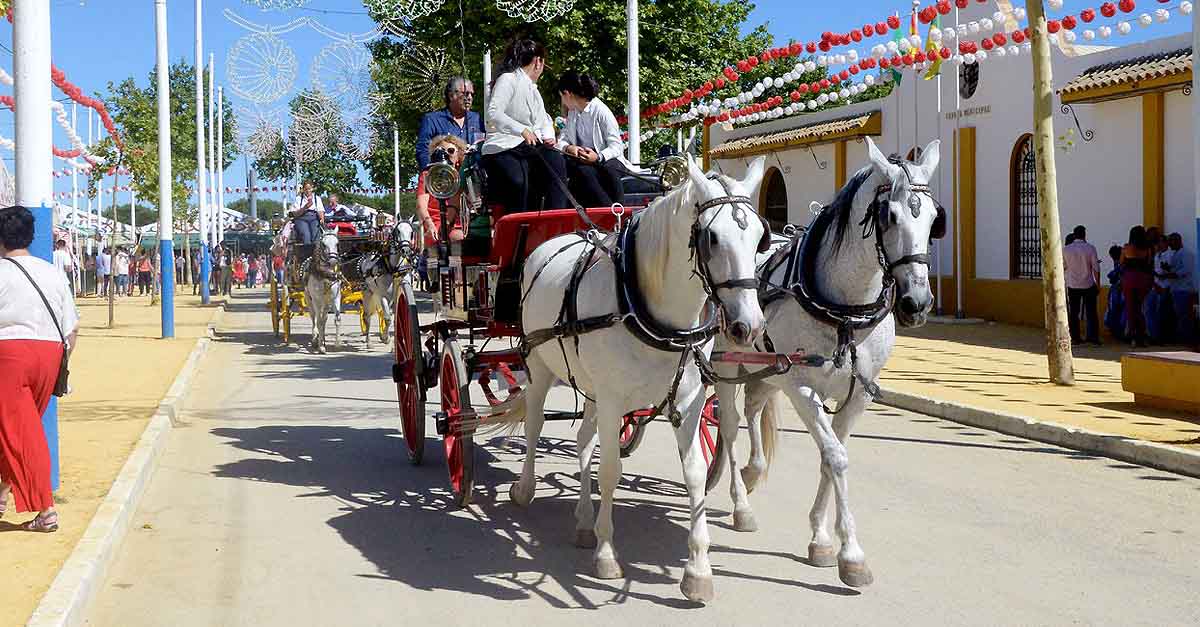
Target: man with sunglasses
{"points": [[455, 119]]}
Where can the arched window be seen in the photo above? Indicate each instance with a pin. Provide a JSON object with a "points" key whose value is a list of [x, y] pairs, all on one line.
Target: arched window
{"points": [[1026, 238], [774, 200]]}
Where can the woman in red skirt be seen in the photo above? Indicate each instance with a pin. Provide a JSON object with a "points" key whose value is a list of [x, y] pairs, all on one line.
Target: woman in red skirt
{"points": [[31, 349]]}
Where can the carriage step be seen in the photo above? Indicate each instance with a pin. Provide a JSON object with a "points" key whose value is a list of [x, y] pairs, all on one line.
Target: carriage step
{"points": [[441, 424], [402, 370]]}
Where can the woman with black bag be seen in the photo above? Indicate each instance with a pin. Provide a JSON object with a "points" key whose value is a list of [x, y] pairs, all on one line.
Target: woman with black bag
{"points": [[38, 324]]}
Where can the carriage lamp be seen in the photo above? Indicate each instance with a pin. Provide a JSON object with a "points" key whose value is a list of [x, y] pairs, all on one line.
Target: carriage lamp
{"points": [[673, 171], [441, 177]]}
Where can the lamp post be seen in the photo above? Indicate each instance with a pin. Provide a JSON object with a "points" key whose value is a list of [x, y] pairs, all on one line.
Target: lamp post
{"points": [[201, 189], [34, 143]]}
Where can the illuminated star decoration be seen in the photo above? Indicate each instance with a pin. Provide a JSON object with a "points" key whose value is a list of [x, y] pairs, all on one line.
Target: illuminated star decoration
{"points": [[534, 10], [261, 67]]}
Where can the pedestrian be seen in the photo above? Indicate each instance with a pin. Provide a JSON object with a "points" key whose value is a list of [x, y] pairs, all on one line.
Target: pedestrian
{"points": [[145, 270], [252, 272], [239, 272], [103, 272], [1160, 317], [1114, 316], [121, 270], [65, 262], [1137, 277], [180, 275], [1179, 275], [1082, 266], [277, 267], [226, 272], [38, 322]]}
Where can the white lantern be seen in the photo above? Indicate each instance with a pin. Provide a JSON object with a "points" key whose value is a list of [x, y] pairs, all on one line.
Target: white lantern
{"points": [[1055, 4], [778, 82], [852, 55], [915, 40], [759, 86], [1124, 28], [1000, 52], [892, 47], [935, 36], [833, 96], [1145, 19], [986, 25], [1185, 7], [973, 27], [1089, 35], [869, 79], [998, 17], [948, 34], [968, 58], [1162, 15], [844, 93], [839, 59], [904, 45], [963, 31], [788, 77], [981, 55], [1069, 36], [810, 66], [1019, 13], [1014, 50], [1104, 31], [812, 105], [1028, 45], [822, 99]]}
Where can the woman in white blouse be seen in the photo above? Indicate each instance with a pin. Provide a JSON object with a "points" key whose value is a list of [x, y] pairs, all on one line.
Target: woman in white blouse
{"points": [[38, 322], [592, 143], [525, 171]]}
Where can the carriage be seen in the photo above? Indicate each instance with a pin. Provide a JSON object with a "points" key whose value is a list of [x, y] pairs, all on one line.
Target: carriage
{"points": [[478, 305], [357, 237]]}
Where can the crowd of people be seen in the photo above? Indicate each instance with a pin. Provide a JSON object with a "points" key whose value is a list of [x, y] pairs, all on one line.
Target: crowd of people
{"points": [[1152, 294]]}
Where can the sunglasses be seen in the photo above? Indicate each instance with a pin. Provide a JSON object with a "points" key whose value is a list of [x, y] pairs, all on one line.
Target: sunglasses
{"points": [[450, 150]]}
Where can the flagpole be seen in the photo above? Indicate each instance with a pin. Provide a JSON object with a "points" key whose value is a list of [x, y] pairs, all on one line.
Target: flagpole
{"points": [[959, 311], [916, 86]]}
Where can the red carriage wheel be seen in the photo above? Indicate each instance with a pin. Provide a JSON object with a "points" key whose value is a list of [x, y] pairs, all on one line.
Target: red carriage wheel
{"points": [[410, 391], [632, 431], [711, 444], [459, 442]]}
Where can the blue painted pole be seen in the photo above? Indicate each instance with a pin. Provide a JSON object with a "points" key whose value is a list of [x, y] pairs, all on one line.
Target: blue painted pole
{"points": [[166, 237], [43, 248], [205, 270]]}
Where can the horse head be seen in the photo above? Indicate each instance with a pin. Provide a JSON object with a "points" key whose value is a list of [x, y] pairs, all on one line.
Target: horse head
{"points": [[905, 218], [726, 234], [325, 254]]}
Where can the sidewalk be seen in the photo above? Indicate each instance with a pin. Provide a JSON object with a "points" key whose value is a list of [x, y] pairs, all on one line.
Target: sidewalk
{"points": [[1002, 368], [118, 377]]}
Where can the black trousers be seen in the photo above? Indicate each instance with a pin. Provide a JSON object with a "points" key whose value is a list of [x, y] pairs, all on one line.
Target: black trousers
{"points": [[523, 178], [596, 184], [1085, 298]]}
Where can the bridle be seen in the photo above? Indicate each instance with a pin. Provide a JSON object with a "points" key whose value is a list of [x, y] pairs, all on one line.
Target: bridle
{"points": [[877, 220], [700, 242]]}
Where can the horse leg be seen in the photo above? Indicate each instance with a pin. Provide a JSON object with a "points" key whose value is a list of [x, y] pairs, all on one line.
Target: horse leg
{"points": [[540, 380], [757, 396], [608, 425], [743, 514], [585, 448], [697, 583], [851, 561]]}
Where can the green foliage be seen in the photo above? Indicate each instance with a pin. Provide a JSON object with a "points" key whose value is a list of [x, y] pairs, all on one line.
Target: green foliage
{"points": [[682, 43], [332, 173], [134, 110], [266, 207]]}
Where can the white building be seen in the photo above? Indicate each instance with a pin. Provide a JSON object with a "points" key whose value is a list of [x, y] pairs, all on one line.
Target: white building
{"points": [[1130, 163]]}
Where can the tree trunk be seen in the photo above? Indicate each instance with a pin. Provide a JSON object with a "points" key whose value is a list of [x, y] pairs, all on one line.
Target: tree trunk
{"points": [[1058, 336]]}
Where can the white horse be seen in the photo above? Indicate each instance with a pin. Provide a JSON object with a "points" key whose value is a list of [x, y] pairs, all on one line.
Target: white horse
{"points": [[379, 273], [698, 239], [865, 252], [322, 287]]}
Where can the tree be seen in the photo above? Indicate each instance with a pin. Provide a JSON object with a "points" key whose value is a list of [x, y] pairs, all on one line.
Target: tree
{"points": [[332, 172], [682, 44]]}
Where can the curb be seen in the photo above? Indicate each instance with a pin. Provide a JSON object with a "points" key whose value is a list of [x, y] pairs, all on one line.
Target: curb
{"points": [[86, 568], [1119, 447]]}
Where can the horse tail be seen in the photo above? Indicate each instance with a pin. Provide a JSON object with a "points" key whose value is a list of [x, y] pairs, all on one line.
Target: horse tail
{"points": [[506, 418], [769, 427]]}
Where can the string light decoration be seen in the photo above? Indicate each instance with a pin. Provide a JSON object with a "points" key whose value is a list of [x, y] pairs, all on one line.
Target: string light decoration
{"points": [[316, 124], [535, 10], [342, 71], [357, 140], [276, 5], [263, 140], [423, 73], [397, 10], [261, 67]]}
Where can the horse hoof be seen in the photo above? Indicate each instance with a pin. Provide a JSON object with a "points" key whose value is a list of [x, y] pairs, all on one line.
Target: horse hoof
{"points": [[822, 555], [606, 568], [519, 495], [855, 575], [585, 538], [744, 521], [749, 478], [696, 588]]}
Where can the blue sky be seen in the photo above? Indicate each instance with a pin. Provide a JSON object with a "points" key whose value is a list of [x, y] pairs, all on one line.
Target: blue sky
{"points": [[96, 41]]}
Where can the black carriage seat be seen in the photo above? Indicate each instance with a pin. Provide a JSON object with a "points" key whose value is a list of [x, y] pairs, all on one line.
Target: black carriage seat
{"points": [[641, 189]]}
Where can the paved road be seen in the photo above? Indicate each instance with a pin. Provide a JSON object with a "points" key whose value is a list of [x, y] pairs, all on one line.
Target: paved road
{"points": [[286, 499]]}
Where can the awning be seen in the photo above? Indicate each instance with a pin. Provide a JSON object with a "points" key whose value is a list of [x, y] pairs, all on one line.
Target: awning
{"points": [[1165, 71], [811, 135]]}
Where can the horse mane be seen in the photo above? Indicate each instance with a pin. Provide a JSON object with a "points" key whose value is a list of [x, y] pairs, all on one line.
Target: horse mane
{"points": [[843, 204], [655, 228]]}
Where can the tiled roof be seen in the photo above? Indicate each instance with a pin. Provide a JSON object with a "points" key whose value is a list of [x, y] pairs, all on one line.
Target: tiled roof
{"points": [[811, 134], [1156, 66]]}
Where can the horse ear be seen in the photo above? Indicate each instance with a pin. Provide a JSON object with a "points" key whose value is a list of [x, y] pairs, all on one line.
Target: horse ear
{"points": [[695, 173], [878, 160], [754, 175], [930, 157]]}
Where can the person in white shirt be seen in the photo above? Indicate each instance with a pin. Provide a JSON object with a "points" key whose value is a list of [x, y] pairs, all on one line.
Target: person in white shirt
{"points": [[308, 214], [122, 272], [103, 272], [525, 171], [1082, 266], [38, 322], [1183, 289], [592, 142], [64, 262]]}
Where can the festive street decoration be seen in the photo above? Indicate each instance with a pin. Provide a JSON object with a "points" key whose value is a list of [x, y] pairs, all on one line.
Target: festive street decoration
{"points": [[357, 139], [535, 10], [342, 71], [261, 67], [399, 10], [316, 124], [276, 5], [264, 140], [423, 73]]}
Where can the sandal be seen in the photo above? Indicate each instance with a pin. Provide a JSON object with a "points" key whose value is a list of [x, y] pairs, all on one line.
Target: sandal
{"points": [[47, 523]]}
